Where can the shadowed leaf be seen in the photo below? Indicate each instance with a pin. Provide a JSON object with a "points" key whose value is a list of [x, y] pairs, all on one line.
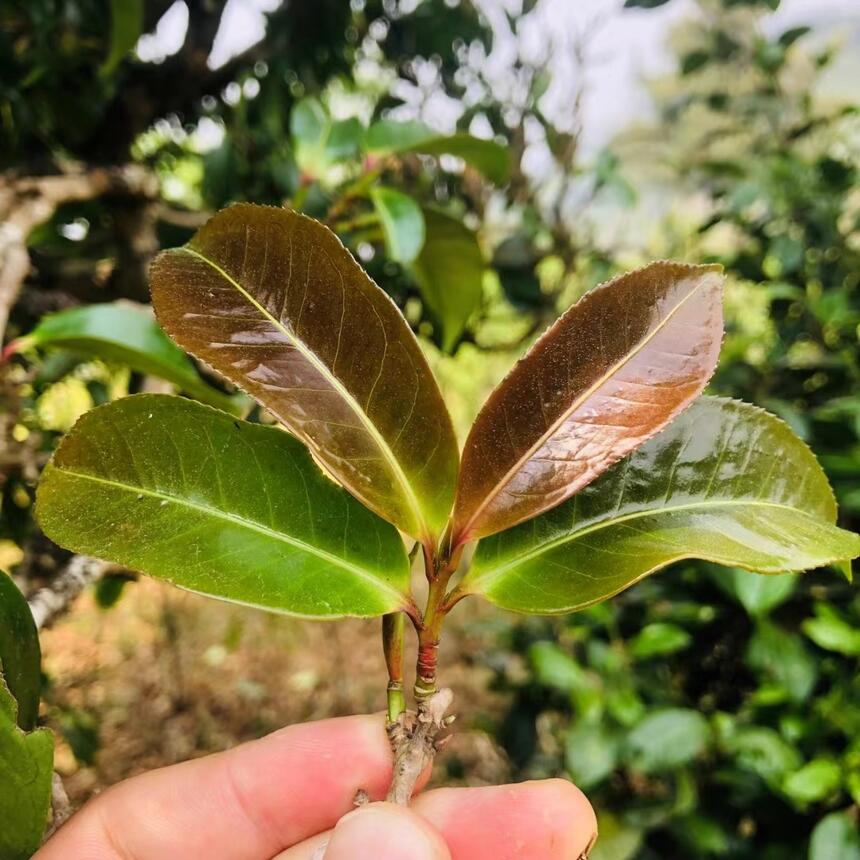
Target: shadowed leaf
{"points": [[123, 334], [20, 656], [274, 302], [609, 374], [216, 505], [725, 482], [26, 770], [450, 274]]}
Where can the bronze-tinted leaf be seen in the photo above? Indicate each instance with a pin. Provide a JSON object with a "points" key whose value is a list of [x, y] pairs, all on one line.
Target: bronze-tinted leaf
{"points": [[273, 301], [611, 372]]}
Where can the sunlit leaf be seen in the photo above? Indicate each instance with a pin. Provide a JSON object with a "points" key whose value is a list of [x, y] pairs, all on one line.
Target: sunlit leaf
{"points": [[402, 223], [388, 136], [235, 510], [725, 482], [20, 656], [450, 274], [126, 335], [659, 639], [26, 770], [609, 374], [274, 302], [816, 780], [829, 630]]}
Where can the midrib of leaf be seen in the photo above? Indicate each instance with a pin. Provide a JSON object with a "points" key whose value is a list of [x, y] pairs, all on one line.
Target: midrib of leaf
{"points": [[572, 408], [609, 522], [325, 371], [240, 521]]}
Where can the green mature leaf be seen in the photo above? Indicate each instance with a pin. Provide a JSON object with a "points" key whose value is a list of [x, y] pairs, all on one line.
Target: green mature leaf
{"points": [[725, 482], [126, 27], [450, 274], [219, 506], [815, 781], [273, 301], [20, 656], [126, 335], [829, 630], [26, 770], [835, 838], [667, 739], [609, 374], [402, 223], [387, 136]]}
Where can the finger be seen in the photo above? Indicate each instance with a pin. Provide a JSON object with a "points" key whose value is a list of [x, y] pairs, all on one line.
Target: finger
{"points": [[547, 820], [244, 804], [385, 832]]}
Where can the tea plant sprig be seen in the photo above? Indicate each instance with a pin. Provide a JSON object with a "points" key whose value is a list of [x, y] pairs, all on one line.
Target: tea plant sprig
{"points": [[593, 464]]}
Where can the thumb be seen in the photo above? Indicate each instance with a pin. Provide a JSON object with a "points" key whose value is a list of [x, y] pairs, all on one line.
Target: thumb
{"points": [[384, 831]]}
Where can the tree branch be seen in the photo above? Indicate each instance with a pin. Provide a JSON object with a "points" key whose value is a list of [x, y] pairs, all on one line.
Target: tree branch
{"points": [[28, 201], [48, 603]]}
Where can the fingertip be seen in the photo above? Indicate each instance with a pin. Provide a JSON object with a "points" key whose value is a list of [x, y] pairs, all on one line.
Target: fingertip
{"points": [[540, 820], [385, 831]]}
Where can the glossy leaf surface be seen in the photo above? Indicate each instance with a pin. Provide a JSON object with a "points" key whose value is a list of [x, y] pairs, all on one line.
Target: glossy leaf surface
{"points": [[216, 505], [20, 655], [387, 136], [26, 770], [450, 274], [609, 374], [123, 334], [274, 302], [402, 223], [725, 482]]}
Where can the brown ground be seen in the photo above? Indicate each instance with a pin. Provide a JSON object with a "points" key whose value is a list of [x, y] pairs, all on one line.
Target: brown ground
{"points": [[165, 675]]}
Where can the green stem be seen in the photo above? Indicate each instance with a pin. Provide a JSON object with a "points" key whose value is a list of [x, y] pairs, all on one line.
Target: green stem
{"points": [[393, 629]]}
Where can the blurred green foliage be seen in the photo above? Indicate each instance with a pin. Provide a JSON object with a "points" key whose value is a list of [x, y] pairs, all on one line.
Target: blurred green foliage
{"points": [[713, 713], [706, 712]]}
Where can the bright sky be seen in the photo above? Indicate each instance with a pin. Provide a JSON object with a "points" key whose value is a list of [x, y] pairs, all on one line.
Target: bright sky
{"points": [[628, 46]]}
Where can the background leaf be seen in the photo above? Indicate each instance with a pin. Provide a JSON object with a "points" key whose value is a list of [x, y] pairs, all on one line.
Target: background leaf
{"points": [[450, 274], [387, 136], [234, 510], [20, 656], [757, 594], [274, 302], [123, 334], [609, 374], [26, 770], [835, 836], [402, 223], [667, 738], [709, 486], [126, 27]]}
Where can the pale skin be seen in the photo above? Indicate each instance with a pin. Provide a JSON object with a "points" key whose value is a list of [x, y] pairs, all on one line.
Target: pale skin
{"points": [[289, 796]]}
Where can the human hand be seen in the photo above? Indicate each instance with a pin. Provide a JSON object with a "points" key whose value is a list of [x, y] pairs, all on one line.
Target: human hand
{"points": [[289, 796]]}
